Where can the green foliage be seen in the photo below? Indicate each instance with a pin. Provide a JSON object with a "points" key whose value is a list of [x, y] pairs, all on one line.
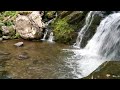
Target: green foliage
{"points": [[7, 17], [12, 31], [62, 30], [8, 23], [50, 14], [16, 36], [9, 13]]}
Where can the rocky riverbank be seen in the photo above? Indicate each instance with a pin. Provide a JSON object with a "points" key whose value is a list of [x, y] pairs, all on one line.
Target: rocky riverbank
{"points": [[65, 25]]}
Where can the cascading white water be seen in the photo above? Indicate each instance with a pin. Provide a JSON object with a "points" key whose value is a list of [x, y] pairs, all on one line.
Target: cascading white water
{"points": [[51, 37], [46, 31], [45, 34], [106, 41], [88, 22], [104, 46]]}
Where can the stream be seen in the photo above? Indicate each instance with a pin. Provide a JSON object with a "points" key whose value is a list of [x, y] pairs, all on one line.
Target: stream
{"points": [[43, 60]]}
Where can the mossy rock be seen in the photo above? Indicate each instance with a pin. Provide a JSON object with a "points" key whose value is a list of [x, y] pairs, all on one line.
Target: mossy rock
{"points": [[48, 15], [12, 31], [63, 31], [111, 68], [16, 36], [66, 25], [63, 14]]}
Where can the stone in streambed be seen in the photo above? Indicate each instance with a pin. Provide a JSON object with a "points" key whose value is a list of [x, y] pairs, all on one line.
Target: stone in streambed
{"points": [[19, 44], [23, 56]]}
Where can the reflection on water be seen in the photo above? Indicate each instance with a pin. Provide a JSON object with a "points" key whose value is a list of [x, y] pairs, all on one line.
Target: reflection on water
{"points": [[46, 60]]}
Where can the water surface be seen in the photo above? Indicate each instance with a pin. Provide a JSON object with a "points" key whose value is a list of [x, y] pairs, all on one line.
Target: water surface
{"points": [[44, 60]]}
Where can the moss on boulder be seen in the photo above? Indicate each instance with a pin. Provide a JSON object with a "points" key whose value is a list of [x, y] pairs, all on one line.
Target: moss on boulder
{"points": [[66, 25]]}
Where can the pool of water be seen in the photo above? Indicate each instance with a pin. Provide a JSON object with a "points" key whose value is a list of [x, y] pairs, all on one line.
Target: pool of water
{"points": [[44, 60]]}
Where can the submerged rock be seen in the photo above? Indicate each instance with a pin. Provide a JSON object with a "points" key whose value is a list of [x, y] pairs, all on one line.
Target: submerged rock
{"points": [[23, 56], [19, 44], [4, 53], [4, 58], [4, 75]]}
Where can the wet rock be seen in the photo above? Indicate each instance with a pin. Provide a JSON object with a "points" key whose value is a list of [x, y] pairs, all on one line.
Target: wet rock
{"points": [[6, 37], [23, 56], [19, 44], [38, 62]]}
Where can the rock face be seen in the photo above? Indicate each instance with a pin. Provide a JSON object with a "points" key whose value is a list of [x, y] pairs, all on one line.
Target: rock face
{"points": [[30, 27]]}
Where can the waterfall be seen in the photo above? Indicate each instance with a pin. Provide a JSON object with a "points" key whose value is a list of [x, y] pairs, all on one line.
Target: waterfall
{"points": [[46, 30], [88, 22], [103, 46], [106, 41], [51, 37], [45, 34], [47, 23]]}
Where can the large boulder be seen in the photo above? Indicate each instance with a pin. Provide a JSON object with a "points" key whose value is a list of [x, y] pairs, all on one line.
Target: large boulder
{"points": [[30, 27], [36, 17]]}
